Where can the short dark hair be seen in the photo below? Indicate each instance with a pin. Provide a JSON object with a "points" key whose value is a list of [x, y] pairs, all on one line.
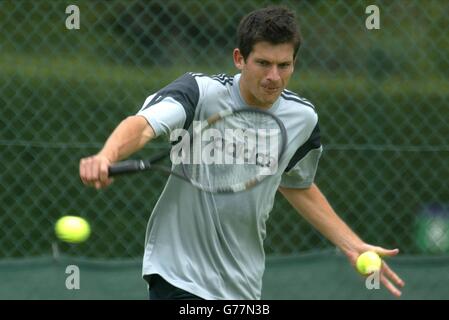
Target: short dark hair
{"points": [[274, 24]]}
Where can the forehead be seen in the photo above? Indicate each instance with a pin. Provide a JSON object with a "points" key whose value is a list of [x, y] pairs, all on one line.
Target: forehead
{"points": [[272, 52]]}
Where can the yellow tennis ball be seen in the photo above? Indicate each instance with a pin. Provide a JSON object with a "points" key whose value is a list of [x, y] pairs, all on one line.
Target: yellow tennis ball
{"points": [[72, 229], [368, 262]]}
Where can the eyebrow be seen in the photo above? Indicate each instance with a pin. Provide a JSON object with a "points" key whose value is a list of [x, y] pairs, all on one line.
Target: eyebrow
{"points": [[265, 60]]}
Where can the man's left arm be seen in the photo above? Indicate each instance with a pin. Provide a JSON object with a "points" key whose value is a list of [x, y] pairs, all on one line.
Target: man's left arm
{"points": [[314, 207]]}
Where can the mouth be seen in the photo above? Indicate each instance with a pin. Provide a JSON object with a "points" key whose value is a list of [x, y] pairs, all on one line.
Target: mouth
{"points": [[270, 89]]}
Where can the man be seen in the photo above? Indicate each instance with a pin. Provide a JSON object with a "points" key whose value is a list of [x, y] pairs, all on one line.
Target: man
{"points": [[210, 246]]}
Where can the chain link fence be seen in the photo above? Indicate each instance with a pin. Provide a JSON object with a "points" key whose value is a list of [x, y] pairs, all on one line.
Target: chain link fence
{"points": [[382, 97]]}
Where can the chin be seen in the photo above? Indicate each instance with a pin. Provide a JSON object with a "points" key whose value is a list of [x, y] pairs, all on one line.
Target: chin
{"points": [[271, 99], [268, 103], [266, 100]]}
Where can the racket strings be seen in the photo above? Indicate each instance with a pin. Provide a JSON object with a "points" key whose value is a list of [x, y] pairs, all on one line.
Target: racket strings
{"points": [[237, 152]]}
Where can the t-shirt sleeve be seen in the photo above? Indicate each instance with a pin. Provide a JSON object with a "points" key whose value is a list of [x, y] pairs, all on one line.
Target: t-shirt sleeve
{"points": [[301, 170], [173, 106]]}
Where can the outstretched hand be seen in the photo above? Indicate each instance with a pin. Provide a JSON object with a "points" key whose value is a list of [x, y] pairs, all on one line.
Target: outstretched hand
{"points": [[388, 277]]}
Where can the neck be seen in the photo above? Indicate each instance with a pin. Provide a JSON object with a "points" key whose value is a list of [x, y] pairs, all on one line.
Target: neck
{"points": [[250, 99]]}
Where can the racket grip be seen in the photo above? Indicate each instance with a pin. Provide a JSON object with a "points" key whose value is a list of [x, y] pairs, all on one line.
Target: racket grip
{"points": [[124, 167]]}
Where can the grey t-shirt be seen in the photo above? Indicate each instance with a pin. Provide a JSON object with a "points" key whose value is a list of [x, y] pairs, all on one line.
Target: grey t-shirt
{"points": [[211, 245]]}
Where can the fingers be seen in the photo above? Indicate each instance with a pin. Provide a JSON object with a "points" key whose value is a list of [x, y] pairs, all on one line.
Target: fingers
{"points": [[85, 171], [387, 252], [390, 287], [392, 275], [94, 171], [104, 174], [391, 280]]}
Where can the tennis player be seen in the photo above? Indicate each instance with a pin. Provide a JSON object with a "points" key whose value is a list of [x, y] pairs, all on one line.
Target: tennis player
{"points": [[210, 246]]}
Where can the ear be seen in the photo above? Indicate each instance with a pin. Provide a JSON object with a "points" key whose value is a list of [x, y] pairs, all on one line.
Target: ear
{"points": [[239, 61]]}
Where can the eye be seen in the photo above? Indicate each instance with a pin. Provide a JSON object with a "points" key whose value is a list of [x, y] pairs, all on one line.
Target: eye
{"points": [[263, 63], [284, 65]]}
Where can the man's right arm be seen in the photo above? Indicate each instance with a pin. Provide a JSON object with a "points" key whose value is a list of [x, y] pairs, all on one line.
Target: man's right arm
{"points": [[128, 137]]}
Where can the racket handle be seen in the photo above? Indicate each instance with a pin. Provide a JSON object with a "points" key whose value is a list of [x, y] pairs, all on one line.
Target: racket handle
{"points": [[124, 167]]}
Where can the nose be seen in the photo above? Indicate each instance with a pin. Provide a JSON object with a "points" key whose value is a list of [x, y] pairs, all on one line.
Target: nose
{"points": [[273, 74]]}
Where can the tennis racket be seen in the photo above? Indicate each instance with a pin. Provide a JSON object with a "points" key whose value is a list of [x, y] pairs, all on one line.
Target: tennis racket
{"points": [[230, 151]]}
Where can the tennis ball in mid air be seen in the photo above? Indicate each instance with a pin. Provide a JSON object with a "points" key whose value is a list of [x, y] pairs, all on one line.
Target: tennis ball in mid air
{"points": [[72, 229], [368, 262]]}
